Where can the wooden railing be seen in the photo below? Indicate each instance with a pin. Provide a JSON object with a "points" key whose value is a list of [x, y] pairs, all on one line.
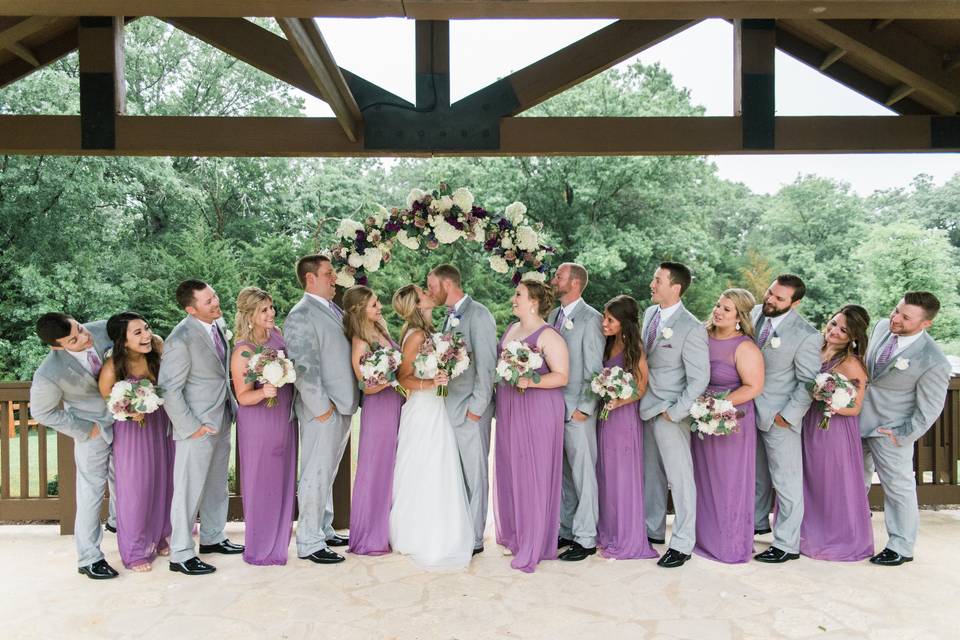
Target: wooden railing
{"points": [[26, 505]]}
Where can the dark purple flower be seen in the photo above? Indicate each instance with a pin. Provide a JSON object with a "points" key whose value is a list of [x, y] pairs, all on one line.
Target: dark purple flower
{"points": [[516, 278], [478, 212], [504, 224], [362, 279], [490, 244]]}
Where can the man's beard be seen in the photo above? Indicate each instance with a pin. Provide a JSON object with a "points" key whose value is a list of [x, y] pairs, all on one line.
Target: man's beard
{"points": [[775, 313]]}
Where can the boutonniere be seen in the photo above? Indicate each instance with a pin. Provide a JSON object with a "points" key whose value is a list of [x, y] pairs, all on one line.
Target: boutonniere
{"points": [[667, 333], [902, 364], [227, 335], [775, 342], [568, 324], [454, 322]]}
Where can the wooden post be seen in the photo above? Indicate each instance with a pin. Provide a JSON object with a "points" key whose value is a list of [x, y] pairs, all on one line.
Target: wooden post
{"points": [[66, 484], [102, 84], [754, 92]]}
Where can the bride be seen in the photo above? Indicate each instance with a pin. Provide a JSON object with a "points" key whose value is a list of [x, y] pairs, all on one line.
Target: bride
{"points": [[429, 520]]}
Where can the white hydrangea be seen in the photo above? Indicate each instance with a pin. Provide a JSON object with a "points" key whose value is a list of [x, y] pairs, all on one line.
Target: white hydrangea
{"points": [[515, 212], [380, 215], [447, 233], [415, 195], [498, 264], [698, 410], [527, 238], [372, 258], [348, 228], [345, 280], [355, 260], [506, 242], [476, 232], [441, 204], [463, 199], [410, 243], [536, 276]]}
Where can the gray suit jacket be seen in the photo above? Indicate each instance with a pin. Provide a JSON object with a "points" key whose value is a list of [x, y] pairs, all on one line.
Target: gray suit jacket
{"points": [[585, 343], [321, 353], [65, 397], [679, 365], [195, 381], [473, 389], [905, 401], [789, 369]]}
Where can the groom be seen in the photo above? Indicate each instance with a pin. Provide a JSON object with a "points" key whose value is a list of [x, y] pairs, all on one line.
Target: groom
{"points": [[195, 378], [909, 376], [469, 403], [64, 396]]}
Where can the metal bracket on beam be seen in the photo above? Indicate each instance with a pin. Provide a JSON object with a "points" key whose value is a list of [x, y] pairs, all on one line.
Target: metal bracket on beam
{"points": [[102, 85], [754, 93]]}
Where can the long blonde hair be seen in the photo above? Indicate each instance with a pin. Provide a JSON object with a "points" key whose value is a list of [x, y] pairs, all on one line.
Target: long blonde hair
{"points": [[744, 302], [248, 301], [406, 303], [355, 321]]}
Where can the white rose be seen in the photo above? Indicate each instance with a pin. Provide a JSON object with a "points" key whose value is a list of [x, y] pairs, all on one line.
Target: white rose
{"points": [[535, 276], [503, 369], [498, 264], [415, 195], [446, 233], [460, 367], [515, 212], [535, 361], [441, 204], [463, 199], [506, 242], [355, 260], [345, 280], [454, 322], [775, 342], [527, 238], [371, 259], [273, 373], [625, 393], [902, 364], [841, 398], [697, 411], [348, 228], [410, 243], [380, 215], [568, 324], [667, 333]]}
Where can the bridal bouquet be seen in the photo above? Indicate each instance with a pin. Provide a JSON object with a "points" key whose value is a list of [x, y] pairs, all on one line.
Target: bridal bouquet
{"points": [[380, 367], [445, 352], [714, 415], [835, 391], [519, 360], [269, 366], [133, 399], [613, 383]]}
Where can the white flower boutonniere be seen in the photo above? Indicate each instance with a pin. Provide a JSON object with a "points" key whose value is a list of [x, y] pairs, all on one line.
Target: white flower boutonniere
{"points": [[775, 342], [667, 333], [454, 322], [902, 364], [568, 324], [227, 335]]}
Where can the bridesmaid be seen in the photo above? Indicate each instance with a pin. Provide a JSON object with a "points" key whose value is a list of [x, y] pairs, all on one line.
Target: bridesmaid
{"points": [[725, 466], [379, 422], [142, 452], [266, 436], [836, 519], [529, 437], [621, 532]]}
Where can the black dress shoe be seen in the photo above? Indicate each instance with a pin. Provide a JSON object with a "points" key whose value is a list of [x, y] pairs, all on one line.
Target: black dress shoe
{"points": [[564, 542], [655, 540], [109, 527], [225, 547], [673, 558], [324, 556], [336, 540], [760, 532], [192, 567], [890, 558], [478, 550], [775, 556], [99, 570], [577, 552]]}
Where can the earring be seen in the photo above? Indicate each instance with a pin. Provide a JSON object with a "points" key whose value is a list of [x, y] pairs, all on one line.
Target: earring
{"points": [[738, 326], [249, 326], [854, 344]]}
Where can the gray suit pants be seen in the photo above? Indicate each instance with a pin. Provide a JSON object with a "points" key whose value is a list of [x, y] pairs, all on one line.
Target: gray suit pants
{"points": [[780, 469], [200, 476], [579, 507], [93, 463], [901, 514], [321, 447], [473, 442], [667, 460]]}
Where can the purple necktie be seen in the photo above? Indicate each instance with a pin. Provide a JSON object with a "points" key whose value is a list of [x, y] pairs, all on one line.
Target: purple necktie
{"points": [[765, 333], [887, 353], [217, 341], [558, 321], [652, 330], [337, 311], [94, 362]]}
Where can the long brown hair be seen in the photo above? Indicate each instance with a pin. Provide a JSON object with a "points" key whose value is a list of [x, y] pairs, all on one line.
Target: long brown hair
{"points": [[355, 322], [627, 312], [117, 332], [858, 321], [406, 302]]}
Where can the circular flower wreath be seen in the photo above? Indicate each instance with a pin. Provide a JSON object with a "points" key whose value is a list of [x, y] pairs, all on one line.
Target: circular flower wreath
{"points": [[441, 216]]}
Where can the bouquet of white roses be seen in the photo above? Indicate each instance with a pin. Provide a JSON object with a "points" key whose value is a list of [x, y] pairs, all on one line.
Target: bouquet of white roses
{"points": [[269, 366], [379, 367], [613, 383], [834, 391], [133, 399], [714, 415], [445, 352], [519, 360]]}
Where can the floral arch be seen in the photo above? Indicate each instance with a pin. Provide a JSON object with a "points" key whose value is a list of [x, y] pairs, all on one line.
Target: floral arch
{"points": [[434, 218]]}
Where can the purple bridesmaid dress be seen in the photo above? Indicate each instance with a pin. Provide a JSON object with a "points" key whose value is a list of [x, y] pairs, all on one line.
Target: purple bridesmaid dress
{"points": [[373, 484], [529, 466], [143, 459], [621, 532], [724, 468], [836, 512], [267, 441]]}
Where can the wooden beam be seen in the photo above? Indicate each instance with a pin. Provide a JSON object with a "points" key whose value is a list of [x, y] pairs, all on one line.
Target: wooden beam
{"points": [[899, 93], [876, 25], [102, 84], [893, 52], [832, 57], [754, 91], [307, 42], [452, 9], [23, 53], [25, 28], [323, 137]]}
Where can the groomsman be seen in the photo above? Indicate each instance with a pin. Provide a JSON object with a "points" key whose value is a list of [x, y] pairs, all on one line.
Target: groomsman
{"points": [[579, 324], [908, 384], [679, 360], [469, 403], [326, 400], [791, 356], [64, 396], [195, 378]]}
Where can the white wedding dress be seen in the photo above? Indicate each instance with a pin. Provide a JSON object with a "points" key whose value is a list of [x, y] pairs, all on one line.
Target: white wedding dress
{"points": [[429, 520]]}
